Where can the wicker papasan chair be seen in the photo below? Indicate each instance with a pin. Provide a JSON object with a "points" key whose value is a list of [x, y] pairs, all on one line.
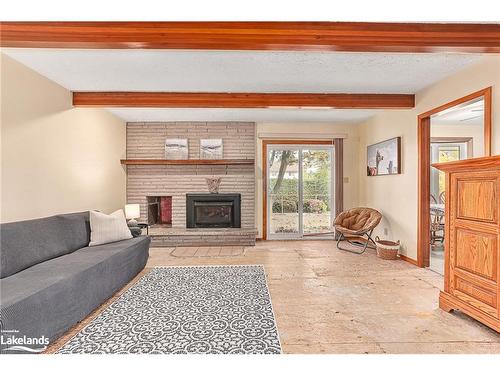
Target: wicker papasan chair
{"points": [[356, 224]]}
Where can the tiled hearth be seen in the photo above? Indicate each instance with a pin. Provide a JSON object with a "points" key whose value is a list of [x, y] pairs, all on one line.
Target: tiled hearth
{"points": [[171, 237], [208, 251], [146, 141]]}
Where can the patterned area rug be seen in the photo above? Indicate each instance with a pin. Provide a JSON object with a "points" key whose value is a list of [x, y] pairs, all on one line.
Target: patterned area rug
{"points": [[183, 310]]}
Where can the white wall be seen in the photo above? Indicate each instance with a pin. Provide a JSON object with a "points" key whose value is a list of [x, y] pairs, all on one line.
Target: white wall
{"points": [[476, 132], [55, 158], [396, 196], [351, 157]]}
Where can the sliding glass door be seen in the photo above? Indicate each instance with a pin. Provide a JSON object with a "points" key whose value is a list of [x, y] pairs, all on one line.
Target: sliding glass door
{"points": [[300, 190], [317, 190]]}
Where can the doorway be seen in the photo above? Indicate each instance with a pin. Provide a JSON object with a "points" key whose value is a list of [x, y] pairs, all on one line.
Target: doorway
{"points": [[457, 130], [299, 190], [443, 149]]}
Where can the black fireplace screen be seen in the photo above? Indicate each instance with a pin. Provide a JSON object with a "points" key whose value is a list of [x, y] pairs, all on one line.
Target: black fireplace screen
{"points": [[213, 213], [213, 210]]}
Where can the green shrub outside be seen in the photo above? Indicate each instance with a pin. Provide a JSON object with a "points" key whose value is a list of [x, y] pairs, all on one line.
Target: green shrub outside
{"points": [[316, 193]]}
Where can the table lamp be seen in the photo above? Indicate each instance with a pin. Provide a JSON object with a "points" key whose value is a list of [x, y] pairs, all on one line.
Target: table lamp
{"points": [[132, 212]]}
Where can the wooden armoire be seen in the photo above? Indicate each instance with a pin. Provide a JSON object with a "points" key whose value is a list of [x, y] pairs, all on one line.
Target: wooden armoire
{"points": [[472, 239]]}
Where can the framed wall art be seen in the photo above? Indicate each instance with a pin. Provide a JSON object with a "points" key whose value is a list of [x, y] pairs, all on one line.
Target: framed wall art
{"points": [[211, 148], [176, 148], [384, 158]]}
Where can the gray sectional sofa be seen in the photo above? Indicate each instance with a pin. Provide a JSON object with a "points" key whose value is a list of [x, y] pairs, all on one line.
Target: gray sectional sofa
{"points": [[51, 279]]}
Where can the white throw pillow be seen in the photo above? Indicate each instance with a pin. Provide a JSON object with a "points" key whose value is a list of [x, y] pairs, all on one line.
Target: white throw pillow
{"points": [[108, 228]]}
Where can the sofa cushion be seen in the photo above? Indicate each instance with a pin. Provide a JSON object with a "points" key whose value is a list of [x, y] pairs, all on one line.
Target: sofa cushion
{"points": [[26, 243], [49, 298], [108, 228]]}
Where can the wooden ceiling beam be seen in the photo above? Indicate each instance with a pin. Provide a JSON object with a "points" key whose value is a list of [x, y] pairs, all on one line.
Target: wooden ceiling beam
{"points": [[241, 100], [276, 36]]}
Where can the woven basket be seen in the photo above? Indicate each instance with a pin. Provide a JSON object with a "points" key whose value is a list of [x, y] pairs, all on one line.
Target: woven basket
{"points": [[387, 249], [213, 184]]}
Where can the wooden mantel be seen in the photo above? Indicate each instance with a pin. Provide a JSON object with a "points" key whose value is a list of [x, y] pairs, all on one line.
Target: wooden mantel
{"points": [[188, 162], [275, 36]]}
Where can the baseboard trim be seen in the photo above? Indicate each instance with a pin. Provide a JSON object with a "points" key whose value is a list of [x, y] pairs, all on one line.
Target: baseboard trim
{"points": [[409, 260], [401, 256]]}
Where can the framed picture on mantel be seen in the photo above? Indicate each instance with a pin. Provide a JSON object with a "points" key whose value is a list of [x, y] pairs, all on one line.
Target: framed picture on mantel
{"points": [[211, 148], [384, 158], [176, 149]]}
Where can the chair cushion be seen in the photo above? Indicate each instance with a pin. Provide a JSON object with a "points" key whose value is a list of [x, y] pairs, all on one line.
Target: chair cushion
{"points": [[357, 220], [26, 243]]}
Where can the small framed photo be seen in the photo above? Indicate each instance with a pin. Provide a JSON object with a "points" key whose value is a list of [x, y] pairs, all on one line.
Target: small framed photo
{"points": [[384, 158], [176, 148], [211, 148]]}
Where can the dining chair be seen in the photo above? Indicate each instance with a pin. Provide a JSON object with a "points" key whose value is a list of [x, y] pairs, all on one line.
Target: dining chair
{"points": [[442, 197]]}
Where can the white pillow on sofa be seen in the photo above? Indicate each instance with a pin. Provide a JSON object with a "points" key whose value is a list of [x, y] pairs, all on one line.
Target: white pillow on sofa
{"points": [[108, 228]]}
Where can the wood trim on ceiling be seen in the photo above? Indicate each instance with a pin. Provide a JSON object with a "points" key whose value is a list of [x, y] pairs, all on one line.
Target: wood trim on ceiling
{"points": [[241, 100], [275, 36]]}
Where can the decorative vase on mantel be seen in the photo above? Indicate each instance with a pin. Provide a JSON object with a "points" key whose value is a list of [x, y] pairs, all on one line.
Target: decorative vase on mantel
{"points": [[213, 184]]}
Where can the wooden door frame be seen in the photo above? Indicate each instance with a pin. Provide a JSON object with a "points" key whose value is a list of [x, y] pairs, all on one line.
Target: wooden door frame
{"points": [[265, 143], [424, 165], [468, 140]]}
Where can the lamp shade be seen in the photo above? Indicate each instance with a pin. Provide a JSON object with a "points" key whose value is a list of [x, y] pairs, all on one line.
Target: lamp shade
{"points": [[132, 211]]}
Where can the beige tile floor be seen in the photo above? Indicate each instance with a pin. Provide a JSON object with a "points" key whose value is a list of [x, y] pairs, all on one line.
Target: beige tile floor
{"points": [[328, 301]]}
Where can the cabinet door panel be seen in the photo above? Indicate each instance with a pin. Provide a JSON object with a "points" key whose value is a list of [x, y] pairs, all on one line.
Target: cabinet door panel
{"points": [[476, 199], [473, 239], [485, 296], [476, 253]]}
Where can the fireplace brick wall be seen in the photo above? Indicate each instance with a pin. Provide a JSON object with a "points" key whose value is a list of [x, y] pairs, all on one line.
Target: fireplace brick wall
{"points": [[147, 140]]}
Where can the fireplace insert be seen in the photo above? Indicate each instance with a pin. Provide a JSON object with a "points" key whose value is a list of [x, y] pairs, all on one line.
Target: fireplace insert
{"points": [[213, 210]]}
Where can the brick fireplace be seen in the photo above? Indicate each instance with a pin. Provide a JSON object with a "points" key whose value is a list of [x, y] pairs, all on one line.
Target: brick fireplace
{"points": [[149, 184]]}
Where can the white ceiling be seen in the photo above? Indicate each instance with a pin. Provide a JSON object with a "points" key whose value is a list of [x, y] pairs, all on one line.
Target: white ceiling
{"points": [[240, 71], [251, 115], [469, 113]]}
